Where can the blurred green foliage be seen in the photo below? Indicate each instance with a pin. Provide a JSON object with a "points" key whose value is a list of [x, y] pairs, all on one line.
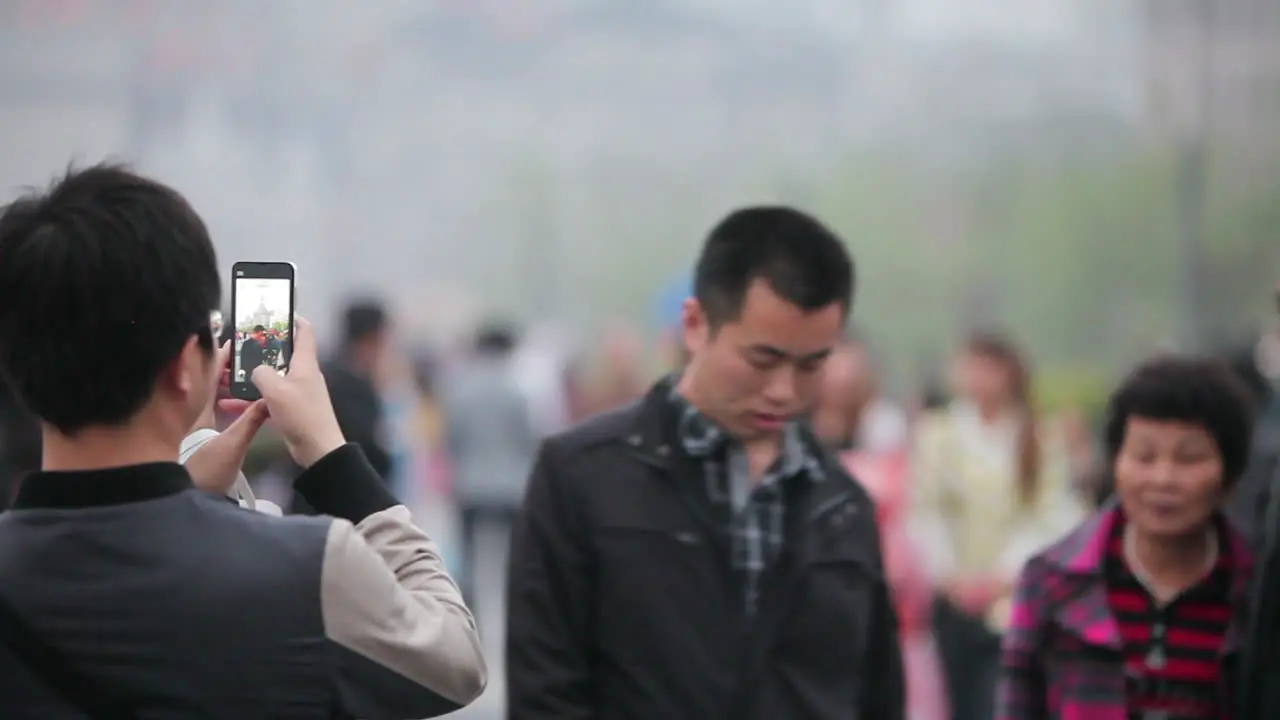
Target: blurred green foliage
{"points": [[1077, 258], [1076, 255]]}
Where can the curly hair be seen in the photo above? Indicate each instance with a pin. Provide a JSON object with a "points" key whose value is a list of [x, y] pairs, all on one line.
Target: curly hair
{"points": [[1198, 390]]}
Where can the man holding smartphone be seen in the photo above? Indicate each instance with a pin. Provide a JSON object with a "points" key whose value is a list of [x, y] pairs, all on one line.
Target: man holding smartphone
{"points": [[129, 586]]}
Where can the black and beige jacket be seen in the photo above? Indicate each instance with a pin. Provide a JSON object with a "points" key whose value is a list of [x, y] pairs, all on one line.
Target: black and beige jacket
{"points": [[187, 606]]}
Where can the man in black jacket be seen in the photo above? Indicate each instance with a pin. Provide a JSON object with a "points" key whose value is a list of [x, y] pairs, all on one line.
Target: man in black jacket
{"points": [[697, 555], [253, 351], [142, 590]]}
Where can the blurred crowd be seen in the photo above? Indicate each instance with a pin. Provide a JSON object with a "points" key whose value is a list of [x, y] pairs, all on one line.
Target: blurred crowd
{"points": [[453, 432]]}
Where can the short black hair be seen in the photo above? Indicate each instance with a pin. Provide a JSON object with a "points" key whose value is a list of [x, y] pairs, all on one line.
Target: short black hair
{"points": [[1192, 389], [363, 320], [802, 261], [496, 338], [104, 277], [259, 328]]}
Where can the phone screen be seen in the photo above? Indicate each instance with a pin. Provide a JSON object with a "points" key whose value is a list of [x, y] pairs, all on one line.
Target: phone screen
{"points": [[264, 324]]}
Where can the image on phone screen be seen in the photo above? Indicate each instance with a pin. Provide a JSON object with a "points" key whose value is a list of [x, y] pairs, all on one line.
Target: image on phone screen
{"points": [[263, 308]]}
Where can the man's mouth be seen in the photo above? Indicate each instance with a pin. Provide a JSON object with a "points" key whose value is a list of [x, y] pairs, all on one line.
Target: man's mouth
{"points": [[768, 421]]}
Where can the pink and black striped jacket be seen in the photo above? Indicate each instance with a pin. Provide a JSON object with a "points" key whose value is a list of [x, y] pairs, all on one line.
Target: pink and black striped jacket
{"points": [[1062, 657]]}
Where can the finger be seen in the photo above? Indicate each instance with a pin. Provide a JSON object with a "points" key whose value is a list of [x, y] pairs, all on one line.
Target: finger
{"points": [[222, 376], [224, 357], [266, 379], [234, 406], [304, 344], [239, 434]]}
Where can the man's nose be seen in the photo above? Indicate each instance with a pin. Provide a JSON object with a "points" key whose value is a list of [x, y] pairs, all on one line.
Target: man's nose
{"points": [[781, 387]]}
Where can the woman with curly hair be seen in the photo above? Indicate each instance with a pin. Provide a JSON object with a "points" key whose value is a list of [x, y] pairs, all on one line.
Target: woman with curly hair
{"points": [[1139, 612]]}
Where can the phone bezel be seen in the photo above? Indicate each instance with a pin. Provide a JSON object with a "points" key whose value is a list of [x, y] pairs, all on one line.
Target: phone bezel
{"points": [[246, 390]]}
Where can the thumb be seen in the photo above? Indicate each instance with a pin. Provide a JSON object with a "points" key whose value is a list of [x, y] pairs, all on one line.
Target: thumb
{"points": [[304, 343], [239, 434], [216, 465], [266, 379]]}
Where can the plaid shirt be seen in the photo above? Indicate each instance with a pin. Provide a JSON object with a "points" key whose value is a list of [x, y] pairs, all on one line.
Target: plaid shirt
{"points": [[756, 510], [1063, 654]]}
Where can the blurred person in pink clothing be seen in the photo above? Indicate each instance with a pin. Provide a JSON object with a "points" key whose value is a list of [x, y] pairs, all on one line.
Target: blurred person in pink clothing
{"points": [[870, 436]]}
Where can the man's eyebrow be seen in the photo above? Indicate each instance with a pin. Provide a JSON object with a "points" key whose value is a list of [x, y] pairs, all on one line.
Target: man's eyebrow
{"points": [[815, 356], [781, 354]]}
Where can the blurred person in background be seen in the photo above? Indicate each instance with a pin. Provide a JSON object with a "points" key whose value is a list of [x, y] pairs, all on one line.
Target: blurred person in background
{"points": [[989, 490], [620, 378], [546, 373], [1083, 456], [877, 458], [491, 441], [1249, 499], [1260, 683], [353, 377], [1139, 611], [698, 554], [843, 396], [933, 395], [858, 416]]}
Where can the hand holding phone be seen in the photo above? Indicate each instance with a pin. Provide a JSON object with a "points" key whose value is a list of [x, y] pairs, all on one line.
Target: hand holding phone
{"points": [[262, 307], [298, 402]]}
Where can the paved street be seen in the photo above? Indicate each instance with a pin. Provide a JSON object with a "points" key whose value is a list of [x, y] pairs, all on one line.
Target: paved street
{"points": [[490, 614]]}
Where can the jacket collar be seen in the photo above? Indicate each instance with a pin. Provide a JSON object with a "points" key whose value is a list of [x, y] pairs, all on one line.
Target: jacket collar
{"points": [[97, 488], [1081, 600], [656, 430], [653, 435], [702, 437]]}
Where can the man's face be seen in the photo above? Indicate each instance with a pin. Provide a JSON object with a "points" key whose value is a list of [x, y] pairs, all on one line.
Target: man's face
{"points": [[260, 336], [755, 373]]}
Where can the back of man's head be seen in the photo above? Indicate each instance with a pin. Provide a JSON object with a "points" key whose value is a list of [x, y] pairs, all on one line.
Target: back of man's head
{"points": [[104, 279], [799, 258], [495, 339], [363, 321]]}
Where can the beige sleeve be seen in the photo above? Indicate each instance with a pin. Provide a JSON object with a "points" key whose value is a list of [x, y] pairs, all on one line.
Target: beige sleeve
{"points": [[406, 644]]}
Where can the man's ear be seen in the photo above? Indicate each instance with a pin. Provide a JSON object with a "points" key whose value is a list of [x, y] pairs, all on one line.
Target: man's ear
{"points": [[694, 325], [187, 372]]}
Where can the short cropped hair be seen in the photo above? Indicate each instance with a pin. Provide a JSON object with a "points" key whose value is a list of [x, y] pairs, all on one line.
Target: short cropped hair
{"points": [[363, 319], [104, 277], [801, 260], [1197, 390], [496, 338]]}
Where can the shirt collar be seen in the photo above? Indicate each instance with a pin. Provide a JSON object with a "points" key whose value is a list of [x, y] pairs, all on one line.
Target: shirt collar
{"points": [[702, 437], [95, 488]]}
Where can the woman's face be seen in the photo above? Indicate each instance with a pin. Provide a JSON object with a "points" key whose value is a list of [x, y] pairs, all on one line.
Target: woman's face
{"points": [[1168, 476], [981, 379]]}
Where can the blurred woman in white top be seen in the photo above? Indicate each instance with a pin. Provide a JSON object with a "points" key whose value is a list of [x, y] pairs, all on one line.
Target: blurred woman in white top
{"points": [[991, 488]]}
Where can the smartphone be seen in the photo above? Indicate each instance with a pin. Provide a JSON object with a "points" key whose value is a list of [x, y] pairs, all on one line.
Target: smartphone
{"points": [[262, 306]]}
